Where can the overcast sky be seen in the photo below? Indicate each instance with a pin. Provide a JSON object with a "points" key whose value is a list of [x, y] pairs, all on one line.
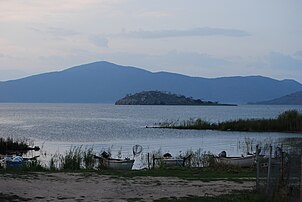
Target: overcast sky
{"points": [[207, 38]]}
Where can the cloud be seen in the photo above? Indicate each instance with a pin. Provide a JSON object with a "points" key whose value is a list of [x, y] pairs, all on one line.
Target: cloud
{"points": [[9, 74], [100, 41], [189, 63], [194, 59], [283, 61], [298, 53], [55, 31], [201, 31]]}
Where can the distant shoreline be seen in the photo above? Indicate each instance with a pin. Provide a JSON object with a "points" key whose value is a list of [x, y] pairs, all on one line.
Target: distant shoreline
{"points": [[228, 105]]}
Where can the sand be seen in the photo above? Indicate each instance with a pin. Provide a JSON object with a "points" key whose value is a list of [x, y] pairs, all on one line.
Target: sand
{"points": [[94, 187]]}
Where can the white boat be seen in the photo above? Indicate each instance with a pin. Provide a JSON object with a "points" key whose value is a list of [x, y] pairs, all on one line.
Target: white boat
{"points": [[247, 161], [117, 164]]}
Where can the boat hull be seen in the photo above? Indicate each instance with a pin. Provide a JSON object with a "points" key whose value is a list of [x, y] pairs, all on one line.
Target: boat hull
{"points": [[237, 161], [173, 162], [117, 164]]}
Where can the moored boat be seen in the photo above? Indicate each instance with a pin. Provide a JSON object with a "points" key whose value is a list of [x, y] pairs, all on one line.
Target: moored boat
{"points": [[173, 162], [247, 161], [118, 164]]}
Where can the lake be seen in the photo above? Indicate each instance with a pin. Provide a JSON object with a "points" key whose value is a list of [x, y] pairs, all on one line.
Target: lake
{"points": [[57, 127]]}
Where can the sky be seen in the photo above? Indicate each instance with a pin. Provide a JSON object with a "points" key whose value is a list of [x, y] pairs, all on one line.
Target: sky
{"points": [[204, 38]]}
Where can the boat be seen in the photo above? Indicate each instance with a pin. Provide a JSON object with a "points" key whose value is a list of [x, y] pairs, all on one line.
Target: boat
{"points": [[172, 162], [15, 161], [169, 161], [247, 161], [117, 164]]}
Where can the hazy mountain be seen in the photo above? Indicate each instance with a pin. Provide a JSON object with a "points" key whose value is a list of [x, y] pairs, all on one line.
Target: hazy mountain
{"points": [[291, 99], [104, 82]]}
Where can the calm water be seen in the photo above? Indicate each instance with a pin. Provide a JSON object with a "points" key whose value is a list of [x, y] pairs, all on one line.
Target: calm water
{"points": [[56, 127]]}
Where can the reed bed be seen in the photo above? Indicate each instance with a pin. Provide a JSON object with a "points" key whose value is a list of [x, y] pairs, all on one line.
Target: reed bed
{"points": [[288, 121]]}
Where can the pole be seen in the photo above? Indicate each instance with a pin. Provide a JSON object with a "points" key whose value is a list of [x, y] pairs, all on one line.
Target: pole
{"points": [[301, 176], [269, 168], [257, 168], [282, 163], [148, 161], [153, 163]]}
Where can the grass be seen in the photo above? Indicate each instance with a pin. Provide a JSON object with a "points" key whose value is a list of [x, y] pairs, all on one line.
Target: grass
{"points": [[288, 121], [72, 159], [202, 174], [241, 197], [198, 174]]}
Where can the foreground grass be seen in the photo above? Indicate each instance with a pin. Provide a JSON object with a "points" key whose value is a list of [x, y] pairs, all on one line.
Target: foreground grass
{"points": [[201, 174], [288, 121], [244, 197]]}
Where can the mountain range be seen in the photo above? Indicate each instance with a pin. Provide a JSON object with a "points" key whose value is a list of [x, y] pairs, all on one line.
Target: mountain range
{"points": [[291, 99], [104, 82]]}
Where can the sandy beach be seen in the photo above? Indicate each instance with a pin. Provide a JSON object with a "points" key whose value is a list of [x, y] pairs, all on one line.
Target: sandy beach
{"points": [[94, 187]]}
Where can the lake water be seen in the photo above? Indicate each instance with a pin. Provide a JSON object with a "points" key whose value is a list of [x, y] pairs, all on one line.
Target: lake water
{"points": [[56, 127]]}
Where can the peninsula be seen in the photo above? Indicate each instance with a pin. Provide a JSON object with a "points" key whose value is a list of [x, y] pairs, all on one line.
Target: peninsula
{"points": [[291, 99], [163, 98]]}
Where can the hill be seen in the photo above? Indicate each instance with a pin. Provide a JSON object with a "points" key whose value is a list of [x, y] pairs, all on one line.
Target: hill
{"points": [[291, 99], [161, 98], [104, 82]]}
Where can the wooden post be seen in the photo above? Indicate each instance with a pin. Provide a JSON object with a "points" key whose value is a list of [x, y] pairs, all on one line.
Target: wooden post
{"points": [[148, 161], [282, 163], [153, 163], [301, 176], [269, 168], [257, 168]]}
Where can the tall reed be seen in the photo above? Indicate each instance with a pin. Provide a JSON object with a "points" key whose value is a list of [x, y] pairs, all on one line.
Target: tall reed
{"points": [[288, 121]]}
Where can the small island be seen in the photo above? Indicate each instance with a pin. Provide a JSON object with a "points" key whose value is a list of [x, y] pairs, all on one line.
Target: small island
{"points": [[164, 98]]}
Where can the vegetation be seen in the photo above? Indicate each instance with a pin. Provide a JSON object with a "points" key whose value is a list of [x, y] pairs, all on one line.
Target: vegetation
{"points": [[202, 174], [75, 159], [288, 121], [242, 197], [9, 145]]}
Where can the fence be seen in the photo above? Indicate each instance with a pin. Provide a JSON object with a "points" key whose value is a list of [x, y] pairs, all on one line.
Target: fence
{"points": [[279, 173]]}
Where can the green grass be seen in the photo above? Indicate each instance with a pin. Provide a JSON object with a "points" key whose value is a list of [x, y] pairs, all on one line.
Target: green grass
{"points": [[202, 174], [135, 200], [288, 121], [241, 197]]}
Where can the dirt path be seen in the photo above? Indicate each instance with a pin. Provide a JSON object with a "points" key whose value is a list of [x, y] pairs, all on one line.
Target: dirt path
{"points": [[93, 187]]}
